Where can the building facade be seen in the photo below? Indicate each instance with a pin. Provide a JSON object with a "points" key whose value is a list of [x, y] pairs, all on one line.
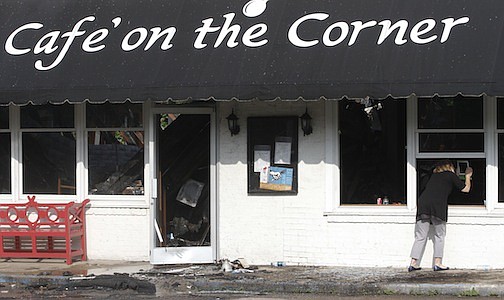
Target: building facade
{"points": [[191, 154]]}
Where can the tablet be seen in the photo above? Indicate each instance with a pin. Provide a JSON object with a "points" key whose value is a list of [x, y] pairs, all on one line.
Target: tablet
{"points": [[462, 166]]}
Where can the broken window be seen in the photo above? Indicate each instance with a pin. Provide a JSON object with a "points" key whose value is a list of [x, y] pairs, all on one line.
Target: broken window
{"points": [[115, 139], [48, 149], [5, 151], [452, 128], [183, 172], [372, 151]]}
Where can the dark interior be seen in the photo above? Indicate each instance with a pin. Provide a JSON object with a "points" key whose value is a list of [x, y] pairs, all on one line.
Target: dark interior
{"points": [[184, 169], [373, 151]]}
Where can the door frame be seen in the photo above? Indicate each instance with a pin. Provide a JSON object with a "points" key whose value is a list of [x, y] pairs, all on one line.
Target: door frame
{"points": [[182, 255]]}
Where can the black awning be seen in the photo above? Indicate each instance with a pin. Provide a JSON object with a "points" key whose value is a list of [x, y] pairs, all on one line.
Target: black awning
{"points": [[96, 50]]}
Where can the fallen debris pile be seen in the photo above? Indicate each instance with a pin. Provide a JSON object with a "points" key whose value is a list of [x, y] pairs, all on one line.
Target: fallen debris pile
{"points": [[114, 282]]}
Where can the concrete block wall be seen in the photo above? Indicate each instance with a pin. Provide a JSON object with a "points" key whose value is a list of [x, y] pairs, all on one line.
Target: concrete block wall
{"points": [[296, 230], [118, 233]]}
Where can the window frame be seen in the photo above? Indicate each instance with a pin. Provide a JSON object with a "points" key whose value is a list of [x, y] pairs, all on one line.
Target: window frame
{"points": [[112, 200], [19, 152], [487, 144], [337, 213], [441, 155]]}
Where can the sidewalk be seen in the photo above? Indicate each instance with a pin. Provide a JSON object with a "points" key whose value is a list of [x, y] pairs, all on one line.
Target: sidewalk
{"points": [[143, 278]]}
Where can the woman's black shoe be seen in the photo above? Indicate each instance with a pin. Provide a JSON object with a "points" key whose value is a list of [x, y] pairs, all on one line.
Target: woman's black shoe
{"points": [[438, 268], [413, 268]]}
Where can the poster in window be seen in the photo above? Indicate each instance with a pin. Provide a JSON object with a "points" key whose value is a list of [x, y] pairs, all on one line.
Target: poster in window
{"points": [[279, 179], [272, 144], [263, 177], [262, 154], [283, 148]]}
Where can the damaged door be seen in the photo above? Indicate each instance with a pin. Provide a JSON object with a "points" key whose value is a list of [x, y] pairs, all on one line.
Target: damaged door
{"points": [[183, 210]]}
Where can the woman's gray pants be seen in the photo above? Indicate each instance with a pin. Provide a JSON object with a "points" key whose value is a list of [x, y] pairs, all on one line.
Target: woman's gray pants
{"points": [[421, 233]]}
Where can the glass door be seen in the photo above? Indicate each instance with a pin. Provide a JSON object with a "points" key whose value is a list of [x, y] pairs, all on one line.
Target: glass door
{"points": [[185, 182]]}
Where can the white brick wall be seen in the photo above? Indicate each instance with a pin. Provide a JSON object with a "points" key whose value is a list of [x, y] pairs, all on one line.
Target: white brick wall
{"points": [[118, 234], [293, 229]]}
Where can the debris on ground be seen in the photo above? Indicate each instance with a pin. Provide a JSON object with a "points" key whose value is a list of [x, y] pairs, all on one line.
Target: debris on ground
{"points": [[239, 265], [114, 282]]}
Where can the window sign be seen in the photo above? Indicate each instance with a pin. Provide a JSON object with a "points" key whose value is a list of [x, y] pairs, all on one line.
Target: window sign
{"points": [[283, 146], [277, 179], [272, 155], [262, 154]]}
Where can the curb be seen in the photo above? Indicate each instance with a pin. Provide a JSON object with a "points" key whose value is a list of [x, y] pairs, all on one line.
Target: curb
{"points": [[433, 289], [289, 287], [349, 289], [116, 281], [30, 280]]}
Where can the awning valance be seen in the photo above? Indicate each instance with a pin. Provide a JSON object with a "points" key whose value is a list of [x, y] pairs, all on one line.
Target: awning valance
{"points": [[96, 50]]}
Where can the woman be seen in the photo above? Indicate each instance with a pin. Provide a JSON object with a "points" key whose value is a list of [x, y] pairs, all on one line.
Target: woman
{"points": [[432, 209]]}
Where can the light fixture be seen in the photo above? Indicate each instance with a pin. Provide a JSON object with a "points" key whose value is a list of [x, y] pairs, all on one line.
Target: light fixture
{"points": [[306, 123], [233, 126]]}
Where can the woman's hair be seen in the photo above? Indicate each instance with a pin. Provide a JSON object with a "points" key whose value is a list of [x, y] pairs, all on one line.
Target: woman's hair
{"points": [[442, 166]]}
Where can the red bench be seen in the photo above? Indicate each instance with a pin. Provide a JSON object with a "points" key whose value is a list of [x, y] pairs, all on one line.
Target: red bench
{"points": [[43, 230]]}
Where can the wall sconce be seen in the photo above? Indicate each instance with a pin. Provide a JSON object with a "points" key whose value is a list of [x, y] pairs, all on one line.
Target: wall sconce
{"points": [[233, 126], [306, 123]]}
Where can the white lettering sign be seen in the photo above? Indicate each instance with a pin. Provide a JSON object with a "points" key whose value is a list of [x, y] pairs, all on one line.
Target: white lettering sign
{"points": [[420, 33], [226, 32]]}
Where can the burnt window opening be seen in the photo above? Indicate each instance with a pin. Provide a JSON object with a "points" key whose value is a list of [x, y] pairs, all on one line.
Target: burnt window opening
{"points": [[183, 173], [115, 139], [373, 151]]}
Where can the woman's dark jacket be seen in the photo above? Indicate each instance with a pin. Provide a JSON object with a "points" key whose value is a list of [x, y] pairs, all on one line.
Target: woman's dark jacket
{"points": [[433, 202]]}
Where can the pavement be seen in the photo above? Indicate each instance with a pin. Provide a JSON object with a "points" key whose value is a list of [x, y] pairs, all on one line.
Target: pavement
{"points": [[237, 277]]}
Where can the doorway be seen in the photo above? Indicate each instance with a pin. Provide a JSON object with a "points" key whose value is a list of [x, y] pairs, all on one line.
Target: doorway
{"points": [[184, 204]]}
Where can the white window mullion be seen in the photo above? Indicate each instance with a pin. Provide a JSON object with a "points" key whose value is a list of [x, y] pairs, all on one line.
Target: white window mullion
{"points": [[16, 163], [333, 199], [491, 144], [411, 150], [81, 150]]}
